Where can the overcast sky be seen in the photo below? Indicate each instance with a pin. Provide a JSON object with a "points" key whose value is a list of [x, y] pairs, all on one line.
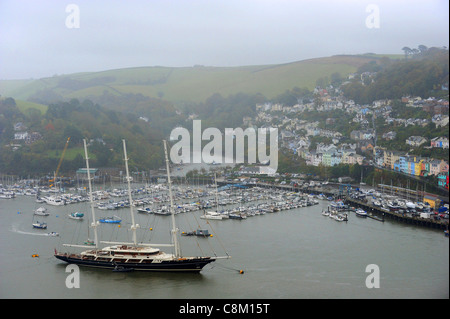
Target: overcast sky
{"points": [[38, 37]]}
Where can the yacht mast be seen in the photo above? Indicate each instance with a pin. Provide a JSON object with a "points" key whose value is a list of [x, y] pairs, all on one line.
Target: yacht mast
{"points": [[174, 227], [217, 200], [133, 225], [94, 221]]}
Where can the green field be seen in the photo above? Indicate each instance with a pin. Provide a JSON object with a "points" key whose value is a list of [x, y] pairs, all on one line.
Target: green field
{"points": [[25, 105], [191, 83]]}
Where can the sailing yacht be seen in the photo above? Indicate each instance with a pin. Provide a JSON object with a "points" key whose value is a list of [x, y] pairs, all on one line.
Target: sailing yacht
{"points": [[215, 214], [135, 256]]}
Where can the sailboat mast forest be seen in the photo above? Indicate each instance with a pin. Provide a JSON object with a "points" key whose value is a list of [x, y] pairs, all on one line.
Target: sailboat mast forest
{"points": [[135, 256]]}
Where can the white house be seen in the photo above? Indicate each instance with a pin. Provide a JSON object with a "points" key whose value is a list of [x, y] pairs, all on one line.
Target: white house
{"points": [[20, 135], [416, 140], [441, 142]]}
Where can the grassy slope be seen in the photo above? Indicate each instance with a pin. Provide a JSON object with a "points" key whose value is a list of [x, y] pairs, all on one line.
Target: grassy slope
{"points": [[198, 83], [24, 105]]}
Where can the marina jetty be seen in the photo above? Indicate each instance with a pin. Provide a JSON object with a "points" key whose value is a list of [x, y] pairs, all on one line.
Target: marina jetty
{"points": [[382, 203], [380, 213], [363, 200]]}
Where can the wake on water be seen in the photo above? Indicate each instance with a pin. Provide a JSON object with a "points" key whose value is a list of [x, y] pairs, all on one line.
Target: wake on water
{"points": [[15, 229]]}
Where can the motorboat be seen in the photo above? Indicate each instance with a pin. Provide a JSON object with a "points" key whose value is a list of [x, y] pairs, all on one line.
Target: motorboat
{"points": [[76, 215], [110, 220], [212, 215], [39, 225], [41, 211], [53, 234], [361, 212], [145, 210], [198, 232]]}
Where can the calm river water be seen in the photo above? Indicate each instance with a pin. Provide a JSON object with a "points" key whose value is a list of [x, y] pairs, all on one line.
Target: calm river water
{"points": [[290, 254]]}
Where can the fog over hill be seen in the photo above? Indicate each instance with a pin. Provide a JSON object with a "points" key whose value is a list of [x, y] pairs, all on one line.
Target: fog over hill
{"points": [[181, 84]]}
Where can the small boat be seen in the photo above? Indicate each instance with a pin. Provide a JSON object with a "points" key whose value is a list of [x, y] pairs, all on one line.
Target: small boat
{"points": [[89, 242], [338, 205], [236, 216], [76, 215], [376, 203], [53, 234], [341, 217], [39, 225], [325, 213], [198, 232], [41, 211], [393, 206], [110, 220], [39, 200], [161, 212], [361, 213], [212, 215], [53, 200], [145, 210]]}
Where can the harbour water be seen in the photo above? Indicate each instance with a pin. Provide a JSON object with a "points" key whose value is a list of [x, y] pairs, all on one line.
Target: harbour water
{"points": [[296, 253]]}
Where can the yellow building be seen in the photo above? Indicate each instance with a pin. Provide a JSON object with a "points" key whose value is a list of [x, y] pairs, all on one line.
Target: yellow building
{"points": [[418, 167], [390, 157], [432, 201]]}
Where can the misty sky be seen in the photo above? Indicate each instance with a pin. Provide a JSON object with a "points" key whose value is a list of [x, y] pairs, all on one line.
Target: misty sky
{"points": [[35, 41]]}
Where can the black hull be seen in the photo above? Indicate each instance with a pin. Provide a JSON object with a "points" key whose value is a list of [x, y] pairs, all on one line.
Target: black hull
{"points": [[181, 265]]}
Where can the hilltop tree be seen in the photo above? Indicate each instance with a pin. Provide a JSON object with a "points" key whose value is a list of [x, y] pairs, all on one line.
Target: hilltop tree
{"points": [[422, 48], [407, 51]]}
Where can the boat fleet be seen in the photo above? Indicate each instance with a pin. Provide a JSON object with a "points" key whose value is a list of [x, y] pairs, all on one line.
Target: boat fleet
{"points": [[392, 203], [229, 203], [336, 215]]}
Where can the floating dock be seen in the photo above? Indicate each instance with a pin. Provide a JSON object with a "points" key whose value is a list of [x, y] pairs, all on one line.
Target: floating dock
{"points": [[375, 213]]}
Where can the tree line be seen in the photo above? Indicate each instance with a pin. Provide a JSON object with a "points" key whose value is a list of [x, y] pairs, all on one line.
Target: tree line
{"points": [[77, 120], [422, 76]]}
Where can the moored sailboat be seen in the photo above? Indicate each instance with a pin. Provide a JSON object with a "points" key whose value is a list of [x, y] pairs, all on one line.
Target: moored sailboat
{"points": [[76, 215], [134, 255], [41, 211], [110, 220]]}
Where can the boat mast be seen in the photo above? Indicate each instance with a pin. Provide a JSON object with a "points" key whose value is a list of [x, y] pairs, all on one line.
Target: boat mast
{"points": [[174, 228], [133, 225], [217, 200], [94, 221]]}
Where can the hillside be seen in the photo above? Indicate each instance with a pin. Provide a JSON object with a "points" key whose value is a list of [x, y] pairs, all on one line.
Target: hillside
{"points": [[185, 84], [39, 151], [423, 74]]}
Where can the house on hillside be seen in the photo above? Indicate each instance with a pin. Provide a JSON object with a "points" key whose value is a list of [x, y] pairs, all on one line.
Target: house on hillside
{"points": [[390, 135], [441, 142], [416, 141], [19, 126], [33, 137], [434, 167], [366, 146], [390, 158], [362, 134], [20, 135]]}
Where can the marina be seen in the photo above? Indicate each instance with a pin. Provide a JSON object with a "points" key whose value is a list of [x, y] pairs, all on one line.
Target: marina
{"points": [[312, 256], [320, 240]]}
